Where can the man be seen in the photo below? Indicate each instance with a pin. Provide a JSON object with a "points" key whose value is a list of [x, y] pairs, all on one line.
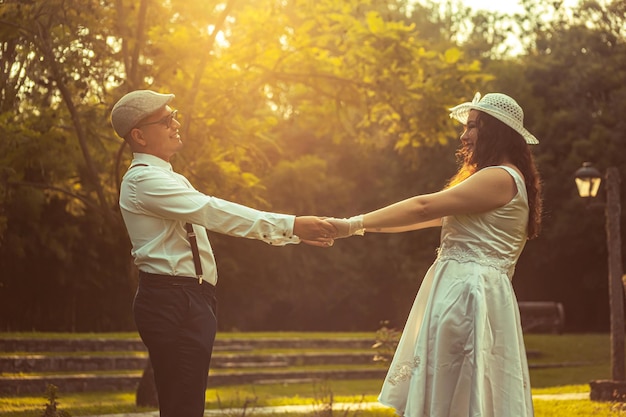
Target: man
{"points": [[174, 307]]}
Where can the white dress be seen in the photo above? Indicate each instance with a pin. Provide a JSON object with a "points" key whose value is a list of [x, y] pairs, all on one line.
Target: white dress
{"points": [[462, 351]]}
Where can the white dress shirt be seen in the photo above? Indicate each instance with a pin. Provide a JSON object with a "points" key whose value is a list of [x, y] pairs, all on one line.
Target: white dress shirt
{"points": [[156, 202]]}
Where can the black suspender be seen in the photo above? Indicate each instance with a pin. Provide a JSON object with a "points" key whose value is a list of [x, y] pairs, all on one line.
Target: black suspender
{"points": [[191, 235]]}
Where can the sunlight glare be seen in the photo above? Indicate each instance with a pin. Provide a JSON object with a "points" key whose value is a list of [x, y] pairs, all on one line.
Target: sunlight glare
{"points": [[220, 38]]}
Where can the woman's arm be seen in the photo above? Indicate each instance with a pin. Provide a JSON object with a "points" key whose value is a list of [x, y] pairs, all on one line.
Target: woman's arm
{"points": [[409, 228], [486, 190]]}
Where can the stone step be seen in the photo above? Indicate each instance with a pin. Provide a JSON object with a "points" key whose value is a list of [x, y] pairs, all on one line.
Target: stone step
{"points": [[42, 363], [90, 383], [20, 385], [250, 365], [86, 363], [16, 344]]}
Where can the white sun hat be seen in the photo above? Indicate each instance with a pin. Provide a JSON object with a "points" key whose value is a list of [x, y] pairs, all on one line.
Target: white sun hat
{"points": [[500, 106]]}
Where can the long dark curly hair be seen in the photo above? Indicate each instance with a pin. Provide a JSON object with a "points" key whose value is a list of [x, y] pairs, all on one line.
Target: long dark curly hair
{"points": [[497, 142]]}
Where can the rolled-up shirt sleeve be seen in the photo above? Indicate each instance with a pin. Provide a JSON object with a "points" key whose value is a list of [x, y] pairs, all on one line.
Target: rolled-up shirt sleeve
{"points": [[169, 195]]}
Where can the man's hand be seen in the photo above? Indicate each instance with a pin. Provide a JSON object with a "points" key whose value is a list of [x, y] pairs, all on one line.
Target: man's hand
{"points": [[314, 231]]}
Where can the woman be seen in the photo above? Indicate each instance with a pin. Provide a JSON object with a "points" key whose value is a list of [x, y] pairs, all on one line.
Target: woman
{"points": [[462, 353]]}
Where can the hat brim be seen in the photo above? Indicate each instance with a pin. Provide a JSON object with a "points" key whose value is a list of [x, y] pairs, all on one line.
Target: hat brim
{"points": [[461, 113]]}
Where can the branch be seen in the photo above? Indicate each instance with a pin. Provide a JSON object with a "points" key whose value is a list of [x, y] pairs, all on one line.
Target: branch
{"points": [[195, 86], [47, 51], [302, 78], [118, 161], [43, 186], [141, 23]]}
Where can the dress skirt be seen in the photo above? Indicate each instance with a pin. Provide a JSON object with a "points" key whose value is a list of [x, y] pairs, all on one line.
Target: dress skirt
{"points": [[462, 352]]}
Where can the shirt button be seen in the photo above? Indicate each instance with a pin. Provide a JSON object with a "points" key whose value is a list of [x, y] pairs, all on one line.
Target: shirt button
{"points": [[264, 236]]}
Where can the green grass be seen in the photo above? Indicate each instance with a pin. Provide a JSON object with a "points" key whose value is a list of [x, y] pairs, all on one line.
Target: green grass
{"points": [[292, 394], [577, 408], [77, 404], [568, 347], [591, 350], [256, 396]]}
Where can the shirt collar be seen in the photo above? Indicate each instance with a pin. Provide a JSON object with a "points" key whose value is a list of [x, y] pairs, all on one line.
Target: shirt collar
{"points": [[146, 158]]}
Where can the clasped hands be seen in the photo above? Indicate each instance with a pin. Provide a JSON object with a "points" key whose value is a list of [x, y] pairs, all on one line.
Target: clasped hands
{"points": [[322, 232]]}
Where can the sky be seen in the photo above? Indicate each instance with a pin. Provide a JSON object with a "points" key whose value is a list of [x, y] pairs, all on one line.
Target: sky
{"points": [[508, 6]]}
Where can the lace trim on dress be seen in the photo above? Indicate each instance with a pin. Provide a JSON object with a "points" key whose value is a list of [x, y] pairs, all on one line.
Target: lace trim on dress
{"points": [[492, 260], [403, 371]]}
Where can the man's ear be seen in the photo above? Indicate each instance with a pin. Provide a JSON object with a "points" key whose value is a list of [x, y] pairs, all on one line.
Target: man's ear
{"points": [[136, 137]]}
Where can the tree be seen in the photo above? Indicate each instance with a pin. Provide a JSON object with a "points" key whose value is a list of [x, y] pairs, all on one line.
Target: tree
{"points": [[571, 84], [358, 79], [54, 160]]}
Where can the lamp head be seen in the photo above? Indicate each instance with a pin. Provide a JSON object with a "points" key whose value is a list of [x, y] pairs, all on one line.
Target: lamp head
{"points": [[588, 180]]}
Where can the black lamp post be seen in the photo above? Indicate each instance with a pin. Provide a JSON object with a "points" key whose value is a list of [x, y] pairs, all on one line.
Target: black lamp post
{"points": [[588, 182]]}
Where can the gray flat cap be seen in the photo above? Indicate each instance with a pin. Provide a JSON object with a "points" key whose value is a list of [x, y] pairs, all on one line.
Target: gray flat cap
{"points": [[135, 106]]}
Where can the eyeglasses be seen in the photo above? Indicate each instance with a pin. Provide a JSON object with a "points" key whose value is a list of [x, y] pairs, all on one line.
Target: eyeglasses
{"points": [[166, 121]]}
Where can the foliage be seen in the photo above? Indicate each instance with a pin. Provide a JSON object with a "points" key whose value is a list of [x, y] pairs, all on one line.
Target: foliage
{"points": [[386, 343], [575, 108], [307, 107], [325, 405], [51, 407], [253, 110], [60, 248], [245, 407]]}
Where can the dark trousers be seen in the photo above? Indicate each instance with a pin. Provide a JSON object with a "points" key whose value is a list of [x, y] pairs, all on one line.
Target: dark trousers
{"points": [[176, 319]]}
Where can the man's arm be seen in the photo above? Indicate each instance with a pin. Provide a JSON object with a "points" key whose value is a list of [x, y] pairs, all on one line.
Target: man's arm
{"points": [[160, 195]]}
